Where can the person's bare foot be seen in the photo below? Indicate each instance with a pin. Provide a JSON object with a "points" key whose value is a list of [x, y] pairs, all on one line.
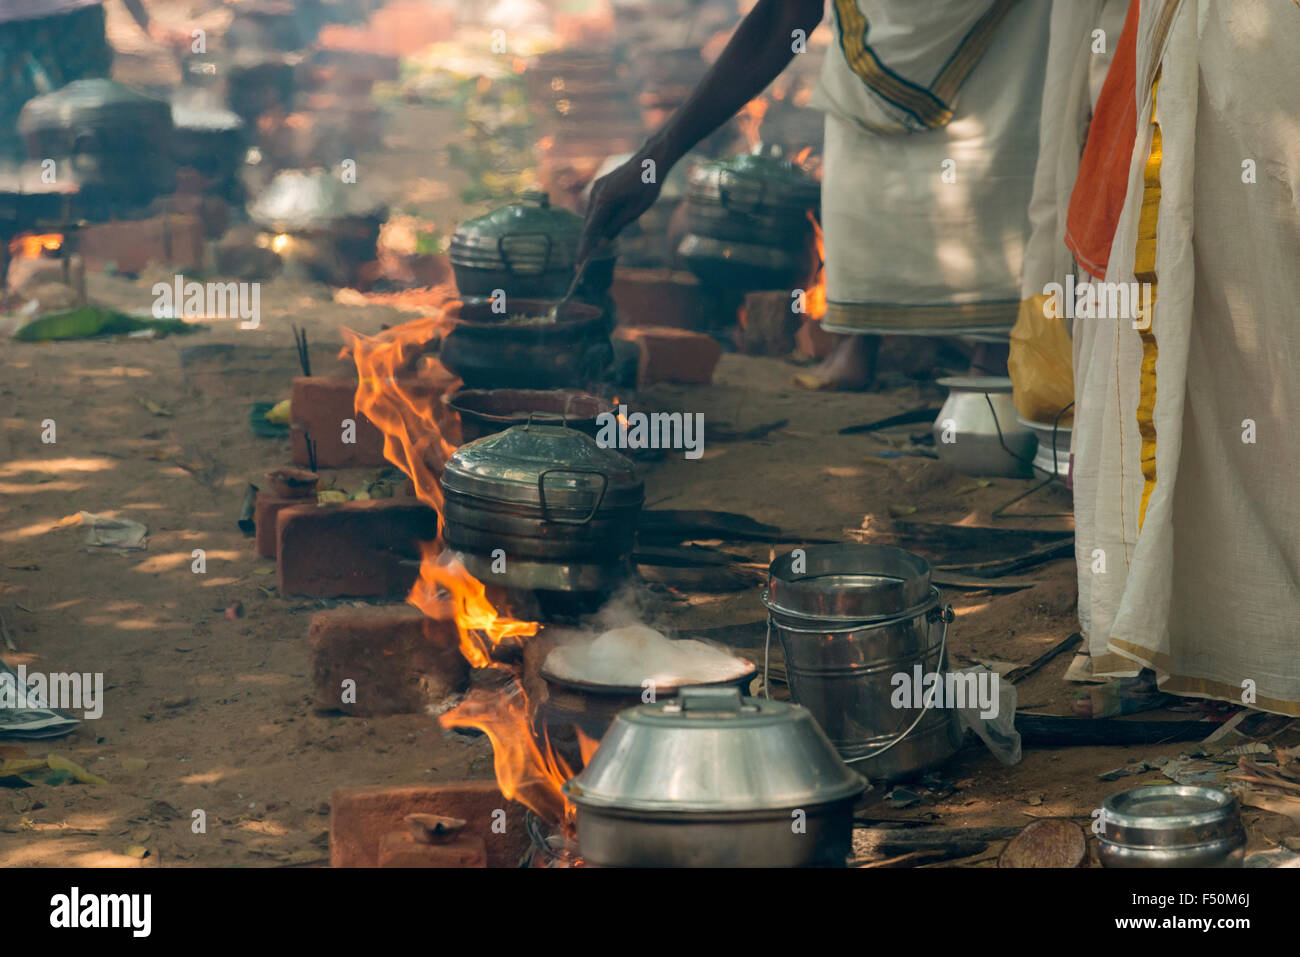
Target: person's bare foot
{"points": [[851, 366]]}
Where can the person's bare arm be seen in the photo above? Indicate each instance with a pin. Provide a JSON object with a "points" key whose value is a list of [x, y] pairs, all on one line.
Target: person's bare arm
{"points": [[761, 47], [138, 13]]}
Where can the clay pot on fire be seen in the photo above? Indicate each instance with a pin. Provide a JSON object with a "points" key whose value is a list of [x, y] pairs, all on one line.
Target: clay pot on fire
{"points": [[520, 349]]}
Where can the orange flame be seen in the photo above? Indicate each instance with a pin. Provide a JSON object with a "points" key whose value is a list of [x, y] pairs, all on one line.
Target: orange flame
{"points": [[586, 745], [619, 415], [396, 399], [36, 245], [750, 119], [816, 301]]}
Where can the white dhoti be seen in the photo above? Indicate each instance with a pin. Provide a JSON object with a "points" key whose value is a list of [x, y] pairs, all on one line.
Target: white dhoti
{"points": [[1187, 497], [925, 193]]}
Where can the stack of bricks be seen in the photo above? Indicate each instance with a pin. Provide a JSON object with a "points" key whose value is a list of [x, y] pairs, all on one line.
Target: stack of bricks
{"points": [[360, 549]]}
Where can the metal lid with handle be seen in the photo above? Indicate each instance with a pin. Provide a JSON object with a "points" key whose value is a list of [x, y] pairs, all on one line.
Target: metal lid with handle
{"points": [[561, 471], [711, 750]]}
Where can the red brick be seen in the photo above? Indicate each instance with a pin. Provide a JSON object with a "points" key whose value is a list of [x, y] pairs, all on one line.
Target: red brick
{"points": [[401, 661], [399, 849], [361, 816], [131, 245], [268, 506], [352, 548], [318, 407], [319, 404], [673, 355], [657, 297]]}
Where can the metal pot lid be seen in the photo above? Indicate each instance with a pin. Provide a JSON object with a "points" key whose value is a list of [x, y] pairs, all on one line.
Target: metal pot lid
{"points": [[1170, 816], [297, 200], [752, 182], [848, 583], [93, 104], [559, 470], [710, 750], [530, 231]]}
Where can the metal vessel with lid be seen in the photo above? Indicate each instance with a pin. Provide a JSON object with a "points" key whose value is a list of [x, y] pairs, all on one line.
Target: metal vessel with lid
{"points": [[528, 249], [1171, 826], [712, 779], [562, 510], [98, 127], [749, 221], [850, 618]]}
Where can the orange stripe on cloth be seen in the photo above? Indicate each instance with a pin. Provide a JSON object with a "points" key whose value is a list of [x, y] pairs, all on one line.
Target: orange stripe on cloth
{"points": [[1102, 183]]}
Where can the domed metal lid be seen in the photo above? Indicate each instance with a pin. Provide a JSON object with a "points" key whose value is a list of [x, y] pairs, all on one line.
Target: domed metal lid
{"points": [[710, 750], [530, 236], [754, 183], [93, 104], [561, 471]]}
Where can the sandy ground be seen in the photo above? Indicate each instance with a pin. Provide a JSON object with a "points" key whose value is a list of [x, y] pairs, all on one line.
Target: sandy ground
{"points": [[204, 712]]}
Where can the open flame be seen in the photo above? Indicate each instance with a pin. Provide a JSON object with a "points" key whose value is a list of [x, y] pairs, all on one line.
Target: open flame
{"points": [[816, 300], [750, 118], [391, 394], [36, 245]]}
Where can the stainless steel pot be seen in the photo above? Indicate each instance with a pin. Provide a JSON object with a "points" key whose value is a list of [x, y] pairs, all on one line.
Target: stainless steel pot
{"points": [[849, 619], [561, 510], [1171, 826], [527, 249], [976, 421], [715, 780]]}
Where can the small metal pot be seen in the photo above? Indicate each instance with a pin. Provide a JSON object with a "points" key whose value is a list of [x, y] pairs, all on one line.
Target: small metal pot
{"points": [[1171, 826], [561, 510], [713, 779], [527, 249], [488, 351], [976, 421], [486, 411]]}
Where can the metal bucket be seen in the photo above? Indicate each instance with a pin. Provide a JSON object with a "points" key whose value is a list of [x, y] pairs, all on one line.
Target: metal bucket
{"points": [[852, 618]]}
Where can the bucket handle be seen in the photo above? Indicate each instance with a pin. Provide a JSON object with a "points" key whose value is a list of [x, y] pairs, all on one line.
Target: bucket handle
{"points": [[943, 614]]}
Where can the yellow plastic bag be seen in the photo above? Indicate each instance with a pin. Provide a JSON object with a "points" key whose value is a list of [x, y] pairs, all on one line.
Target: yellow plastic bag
{"points": [[1041, 364]]}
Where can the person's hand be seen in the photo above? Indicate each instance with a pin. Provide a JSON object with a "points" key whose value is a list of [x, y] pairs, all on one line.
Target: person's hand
{"points": [[617, 199]]}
